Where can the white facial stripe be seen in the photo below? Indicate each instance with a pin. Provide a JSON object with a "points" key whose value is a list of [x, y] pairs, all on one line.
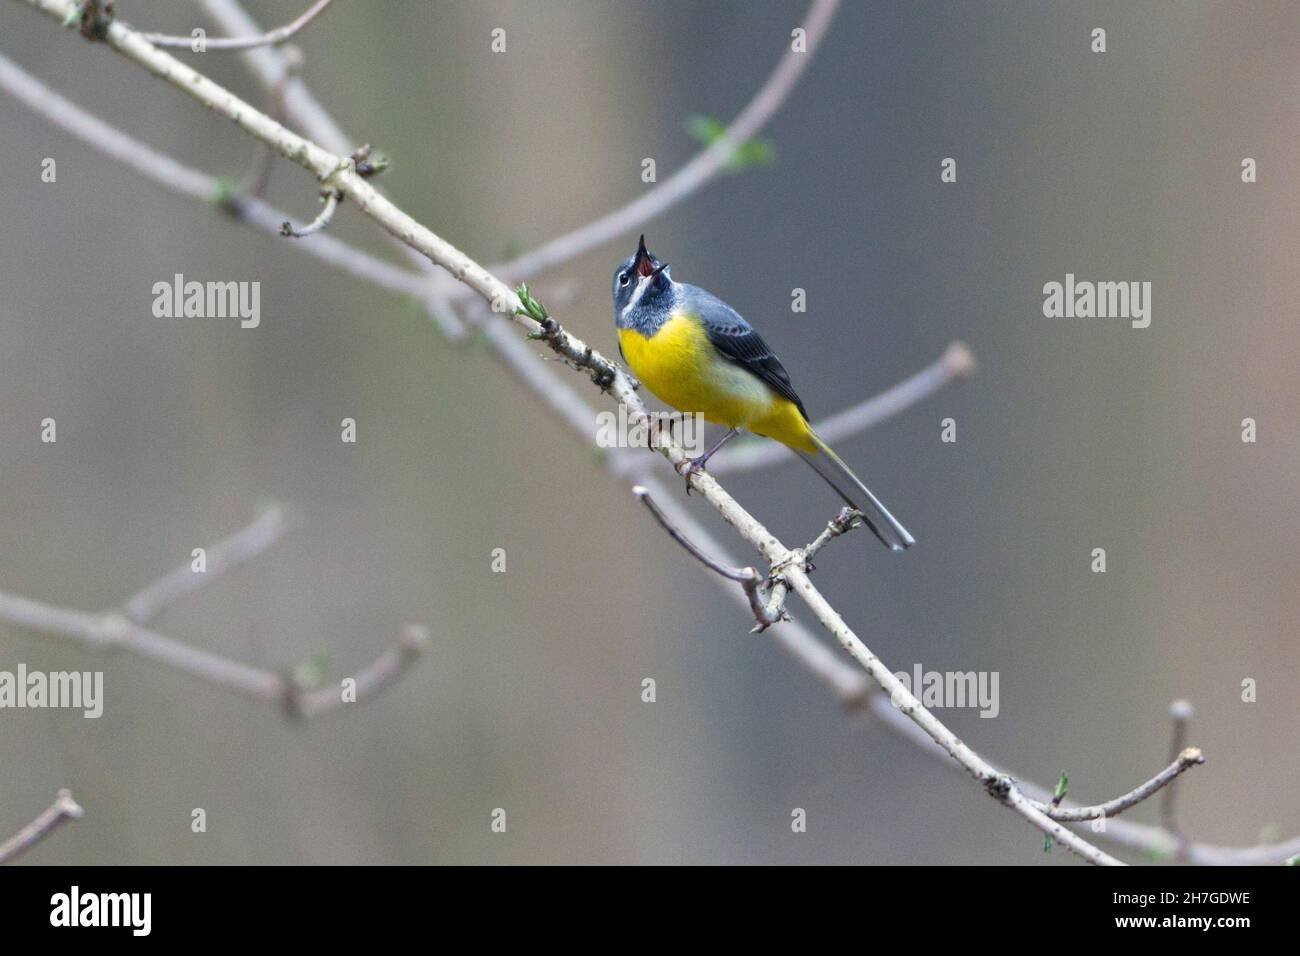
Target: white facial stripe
{"points": [[642, 284]]}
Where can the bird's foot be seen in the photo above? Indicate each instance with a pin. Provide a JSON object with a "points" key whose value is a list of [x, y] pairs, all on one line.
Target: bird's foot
{"points": [[689, 467]]}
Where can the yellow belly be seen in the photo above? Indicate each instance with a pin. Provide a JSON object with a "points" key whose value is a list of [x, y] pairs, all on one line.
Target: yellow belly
{"points": [[683, 369]]}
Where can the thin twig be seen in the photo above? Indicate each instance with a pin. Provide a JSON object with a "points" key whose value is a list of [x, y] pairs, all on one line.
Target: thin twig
{"points": [[113, 630], [277, 74], [317, 224], [63, 808], [237, 549], [841, 524], [702, 167], [847, 683], [956, 362], [167, 172], [270, 38], [1181, 713], [766, 614], [382, 671], [1185, 760], [740, 575]]}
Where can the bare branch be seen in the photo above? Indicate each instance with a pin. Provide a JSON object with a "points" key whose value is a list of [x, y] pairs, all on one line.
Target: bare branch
{"points": [[998, 784], [1143, 837], [167, 172], [1181, 713], [1017, 801], [841, 524], [1187, 759], [956, 362], [847, 682], [520, 354], [89, 128], [270, 38], [370, 680], [745, 575], [111, 630], [696, 173], [238, 548], [766, 614], [62, 809], [277, 73]]}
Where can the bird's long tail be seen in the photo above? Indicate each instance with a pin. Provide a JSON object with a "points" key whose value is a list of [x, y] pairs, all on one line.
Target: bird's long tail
{"points": [[838, 475]]}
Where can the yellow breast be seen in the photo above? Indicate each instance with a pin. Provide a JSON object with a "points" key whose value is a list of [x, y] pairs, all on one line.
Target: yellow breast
{"points": [[684, 370]]}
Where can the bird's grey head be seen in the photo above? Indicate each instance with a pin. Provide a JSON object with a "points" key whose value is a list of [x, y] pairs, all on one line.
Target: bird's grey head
{"points": [[642, 282]]}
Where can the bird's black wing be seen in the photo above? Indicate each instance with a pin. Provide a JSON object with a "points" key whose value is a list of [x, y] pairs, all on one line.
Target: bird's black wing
{"points": [[739, 343]]}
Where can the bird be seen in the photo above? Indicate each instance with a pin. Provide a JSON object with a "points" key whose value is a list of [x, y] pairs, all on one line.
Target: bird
{"points": [[698, 355]]}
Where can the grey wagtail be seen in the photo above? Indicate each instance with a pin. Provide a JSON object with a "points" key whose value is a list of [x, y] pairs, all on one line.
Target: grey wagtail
{"points": [[697, 354]]}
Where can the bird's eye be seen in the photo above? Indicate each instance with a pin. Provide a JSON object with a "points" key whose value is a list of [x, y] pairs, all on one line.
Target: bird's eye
{"points": [[624, 278]]}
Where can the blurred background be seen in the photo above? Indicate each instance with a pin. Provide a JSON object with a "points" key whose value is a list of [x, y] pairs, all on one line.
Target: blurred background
{"points": [[1075, 434]]}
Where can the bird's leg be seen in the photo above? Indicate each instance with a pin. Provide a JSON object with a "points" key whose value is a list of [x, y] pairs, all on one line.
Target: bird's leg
{"points": [[656, 433], [691, 465]]}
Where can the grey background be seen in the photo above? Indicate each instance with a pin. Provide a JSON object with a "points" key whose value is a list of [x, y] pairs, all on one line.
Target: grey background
{"points": [[1074, 435]]}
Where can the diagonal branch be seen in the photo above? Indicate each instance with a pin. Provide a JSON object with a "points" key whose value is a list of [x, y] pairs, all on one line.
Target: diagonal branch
{"points": [[278, 75], [63, 808], [270, 38], [238, 548], [1152, 840]]}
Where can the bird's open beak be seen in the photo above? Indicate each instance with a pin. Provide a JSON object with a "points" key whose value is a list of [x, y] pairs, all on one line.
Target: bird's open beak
{"points": [[645, 263]]}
